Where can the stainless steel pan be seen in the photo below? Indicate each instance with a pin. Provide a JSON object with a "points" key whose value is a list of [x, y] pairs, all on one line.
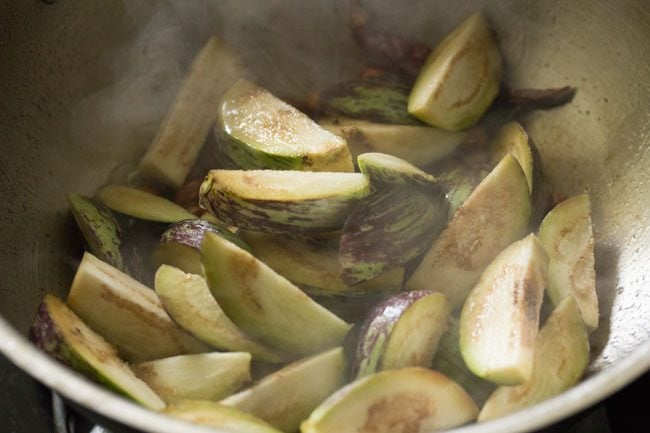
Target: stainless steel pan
{"points": [[83, 86]]}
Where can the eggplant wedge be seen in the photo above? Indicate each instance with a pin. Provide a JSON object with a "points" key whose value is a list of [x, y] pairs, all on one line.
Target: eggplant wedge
{"points": [[420, 145], [256, 130], [500, 318], [383, 101], [188, 300], [204, 376], [106, 235], [62, 334], [561, 358], [142, 205], [384, 169], [460, 174], [180, 244], [402, 331], [279, 201], [512, 138], [178, 143], [567, 235], [211, 414], [495, 215], [127, 313], [314, 265], [411, 399], [266, 305], [448, 360], [287, 397], [388, 229], [460, 79]]}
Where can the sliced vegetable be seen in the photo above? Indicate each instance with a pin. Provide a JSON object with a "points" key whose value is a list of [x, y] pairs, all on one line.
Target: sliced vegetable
{"points": [[512, 138], [500, 318], [460, 79], [493, 216], [315, 265], [460, 175], [420, 145], [411, 399], [212, 414], [106, 235], [287, 397], [389, 229], [180, 244], [402, 331], [187, 299], [374, 100], [126, 313], [62, 334], [258, 130], [384, 169], [266, 305], [282, 201], [182, 134], [568, 237], [449, 361], [206, 376], [142, 205], [561, 357]]}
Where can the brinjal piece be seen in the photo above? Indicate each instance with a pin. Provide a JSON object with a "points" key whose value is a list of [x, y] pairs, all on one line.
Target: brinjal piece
{"points": [[500, 318], [315, 265], [567, 235], [512, 138], [211, 414], [495, 215], [561, 358], [257, 130], [389, 229], [266, 305], [449, 361], [188, 300], [412, 399], [287, 397], [204, 376], [180, 138], [459, 182], [142, 205], [386, 170], [127, 313], [180, 244], [106, 236], [62, 334], [402, 331], [381, 101], [282, 201], [420, 145], [460, 79]]}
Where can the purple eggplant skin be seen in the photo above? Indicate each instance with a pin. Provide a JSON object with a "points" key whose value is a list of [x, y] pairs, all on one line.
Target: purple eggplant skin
{"points": [[192, 232], [45, 335], [375, 330], [535, 99], [389, 228], [108, 236]]}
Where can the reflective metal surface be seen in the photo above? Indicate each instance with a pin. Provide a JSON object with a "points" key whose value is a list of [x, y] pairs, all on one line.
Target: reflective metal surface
{"points": [[83, 87]]}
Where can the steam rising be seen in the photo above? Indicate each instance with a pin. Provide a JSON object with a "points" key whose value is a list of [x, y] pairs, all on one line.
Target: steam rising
{"points": [[292, 47]]}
